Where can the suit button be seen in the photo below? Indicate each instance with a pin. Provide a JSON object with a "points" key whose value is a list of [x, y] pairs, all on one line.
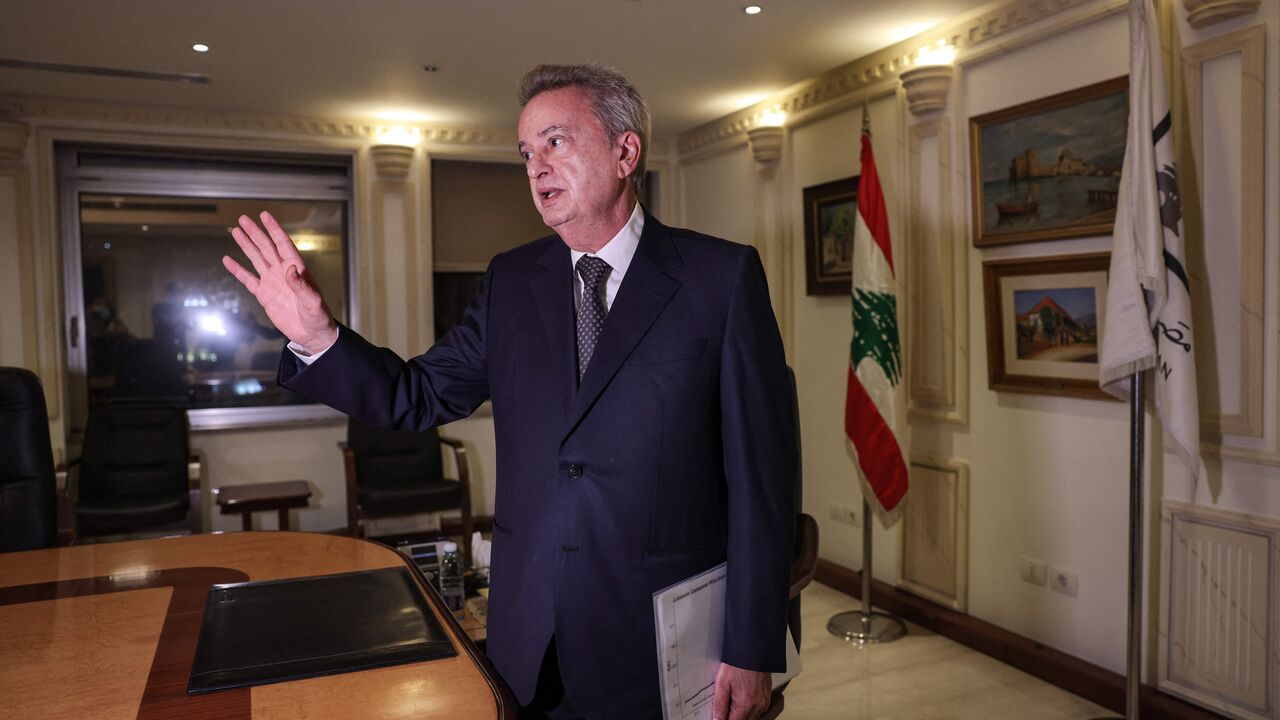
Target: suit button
{"points": [[575, 471]]}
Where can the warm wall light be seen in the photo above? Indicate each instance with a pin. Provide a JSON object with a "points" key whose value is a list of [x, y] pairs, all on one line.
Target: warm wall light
{"points": [[928, 82], [399, 135], [773, 118], [940, 55]]}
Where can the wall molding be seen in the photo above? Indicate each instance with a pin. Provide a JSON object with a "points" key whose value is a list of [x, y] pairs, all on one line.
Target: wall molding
{"points": [[977, 28], [434, 135], [1250, 45], [1068, 672], [55, 109]]}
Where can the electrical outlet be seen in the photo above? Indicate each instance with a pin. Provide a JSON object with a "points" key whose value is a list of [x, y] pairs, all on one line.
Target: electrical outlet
{"points": [[1033, 571], [1064, 581], [844, 514]]}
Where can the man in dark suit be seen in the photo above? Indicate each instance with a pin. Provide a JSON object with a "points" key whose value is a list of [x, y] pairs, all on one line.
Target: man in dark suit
{"points": [[640, 403]]}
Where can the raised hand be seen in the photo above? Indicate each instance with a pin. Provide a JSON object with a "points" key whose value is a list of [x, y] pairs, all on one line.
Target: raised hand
{"points": [[282, 286]]}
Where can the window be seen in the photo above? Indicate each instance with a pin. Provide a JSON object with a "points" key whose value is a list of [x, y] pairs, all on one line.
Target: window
{"points": [[152, 314]]}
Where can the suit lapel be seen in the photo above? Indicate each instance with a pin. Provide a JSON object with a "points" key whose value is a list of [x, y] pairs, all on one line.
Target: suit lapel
{"points": [[553, 294], [645, 291]]}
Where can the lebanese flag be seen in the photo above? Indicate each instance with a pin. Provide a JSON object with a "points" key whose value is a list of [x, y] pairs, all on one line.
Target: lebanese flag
{"points": [[875, 354]]}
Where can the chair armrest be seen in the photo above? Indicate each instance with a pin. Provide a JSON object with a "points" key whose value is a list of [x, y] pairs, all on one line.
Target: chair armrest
{"points": [[804, 561], [69, 481], [349, 469], [195, 480], [464, 479], [195, 491], [459, 460], [65, 504], [66, 521]]}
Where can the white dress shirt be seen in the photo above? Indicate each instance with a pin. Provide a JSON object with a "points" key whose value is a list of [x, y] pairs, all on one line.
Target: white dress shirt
{"points": [[617, 252]]}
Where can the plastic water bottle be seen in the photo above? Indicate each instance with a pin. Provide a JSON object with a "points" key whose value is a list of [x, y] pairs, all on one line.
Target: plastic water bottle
{"points": [[452, 590]]}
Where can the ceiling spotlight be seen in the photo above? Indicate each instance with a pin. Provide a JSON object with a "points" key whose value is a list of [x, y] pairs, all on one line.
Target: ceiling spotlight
{"points": [[200, 47], [145, 228], [752, 9], [431, 68]]}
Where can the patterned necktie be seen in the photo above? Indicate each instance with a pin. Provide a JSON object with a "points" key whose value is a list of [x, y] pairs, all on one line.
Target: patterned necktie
{"points": [[591, 314]]}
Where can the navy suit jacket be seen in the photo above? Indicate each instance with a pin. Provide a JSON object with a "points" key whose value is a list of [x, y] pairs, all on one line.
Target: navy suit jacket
{"points": [[675, 453]]}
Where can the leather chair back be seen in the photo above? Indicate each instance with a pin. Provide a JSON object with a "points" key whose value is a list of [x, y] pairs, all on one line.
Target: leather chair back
{"points": [[134, 467], [394, 459], [28, 492]]}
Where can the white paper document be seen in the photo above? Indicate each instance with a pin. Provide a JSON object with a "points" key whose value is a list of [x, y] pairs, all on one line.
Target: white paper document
{"points": [[690, 621]]}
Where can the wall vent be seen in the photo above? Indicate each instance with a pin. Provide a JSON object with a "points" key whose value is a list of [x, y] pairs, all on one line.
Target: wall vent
{"points": [[1217, 610]]}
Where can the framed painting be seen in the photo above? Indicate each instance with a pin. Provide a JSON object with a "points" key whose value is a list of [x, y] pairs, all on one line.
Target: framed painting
{"points": [[1044, 322], [830, 213], [1049, 169]]}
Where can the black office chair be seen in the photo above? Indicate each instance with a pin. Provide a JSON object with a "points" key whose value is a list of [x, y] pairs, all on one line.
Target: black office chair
{"points": [[395, 473], [133, 472], [804, 556], [28, 492]]}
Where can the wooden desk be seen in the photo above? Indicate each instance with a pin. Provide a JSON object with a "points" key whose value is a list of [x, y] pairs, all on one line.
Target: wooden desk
{"points": [[109, 631]]}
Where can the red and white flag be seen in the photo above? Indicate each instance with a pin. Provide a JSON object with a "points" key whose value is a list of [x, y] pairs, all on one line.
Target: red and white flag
{"points": [[871, 411]]}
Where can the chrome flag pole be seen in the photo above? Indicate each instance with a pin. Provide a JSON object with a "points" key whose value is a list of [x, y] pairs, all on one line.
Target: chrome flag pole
{"points": [[865, 626]]}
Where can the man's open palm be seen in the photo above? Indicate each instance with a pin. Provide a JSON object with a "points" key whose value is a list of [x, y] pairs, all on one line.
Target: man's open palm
{"points": [[282, 285]]}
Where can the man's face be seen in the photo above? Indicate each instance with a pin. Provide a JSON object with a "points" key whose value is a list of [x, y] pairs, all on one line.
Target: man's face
{"points": [[574, 171]]}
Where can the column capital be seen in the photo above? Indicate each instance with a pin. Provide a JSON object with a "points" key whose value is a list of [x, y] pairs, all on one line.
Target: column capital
{"points": [[392, 161], [1203, 13], [13, 139], [766, 144], [927, 87]]}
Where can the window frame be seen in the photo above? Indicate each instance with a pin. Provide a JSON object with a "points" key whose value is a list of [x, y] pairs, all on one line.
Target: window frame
{"points": [[75, 180]]}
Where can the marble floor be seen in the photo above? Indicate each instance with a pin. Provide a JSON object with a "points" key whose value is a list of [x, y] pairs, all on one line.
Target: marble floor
{"points": [[921, 677]]}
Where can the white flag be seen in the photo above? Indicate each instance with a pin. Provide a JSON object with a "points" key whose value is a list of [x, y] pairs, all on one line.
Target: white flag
{"points": [[1148, 320]]}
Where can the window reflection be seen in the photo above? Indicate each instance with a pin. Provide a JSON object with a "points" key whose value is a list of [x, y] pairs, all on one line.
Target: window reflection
{"points": [[163, 319]]}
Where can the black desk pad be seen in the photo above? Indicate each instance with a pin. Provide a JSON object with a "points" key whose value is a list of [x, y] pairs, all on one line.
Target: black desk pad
{"points": [[255, 633]]}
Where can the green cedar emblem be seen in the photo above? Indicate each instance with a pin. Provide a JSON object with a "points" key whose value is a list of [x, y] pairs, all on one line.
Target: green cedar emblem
{"points": [[875, 332]]}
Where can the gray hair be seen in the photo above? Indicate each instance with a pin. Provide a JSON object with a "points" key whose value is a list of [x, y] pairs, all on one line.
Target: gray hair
{"points": [[615, 101]]}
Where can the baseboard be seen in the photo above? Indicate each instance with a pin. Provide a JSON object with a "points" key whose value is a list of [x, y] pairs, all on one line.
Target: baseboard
{"points": [[1068, 672]]}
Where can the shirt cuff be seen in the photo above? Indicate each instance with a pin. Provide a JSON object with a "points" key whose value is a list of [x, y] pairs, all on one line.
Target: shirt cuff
{"points": [[301, 352]]}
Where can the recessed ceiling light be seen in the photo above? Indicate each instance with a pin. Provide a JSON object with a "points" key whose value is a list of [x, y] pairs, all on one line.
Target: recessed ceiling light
{"points": [[752, 9], [200, 47]]}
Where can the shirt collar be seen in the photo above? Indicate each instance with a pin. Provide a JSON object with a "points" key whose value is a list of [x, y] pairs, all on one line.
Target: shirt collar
{"points": [[622, 247]]}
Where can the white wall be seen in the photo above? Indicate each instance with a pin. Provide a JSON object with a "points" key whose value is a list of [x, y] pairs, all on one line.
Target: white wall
{"points": [[718, 195], [1048, 475]]}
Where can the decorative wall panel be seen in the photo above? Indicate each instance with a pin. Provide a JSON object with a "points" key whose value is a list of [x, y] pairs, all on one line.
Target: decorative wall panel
{"points": [[935, 532], [1224, 226], [1217, 611]]}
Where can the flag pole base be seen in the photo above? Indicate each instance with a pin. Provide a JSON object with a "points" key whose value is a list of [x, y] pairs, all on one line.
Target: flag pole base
{"points": [[863, 628]]}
